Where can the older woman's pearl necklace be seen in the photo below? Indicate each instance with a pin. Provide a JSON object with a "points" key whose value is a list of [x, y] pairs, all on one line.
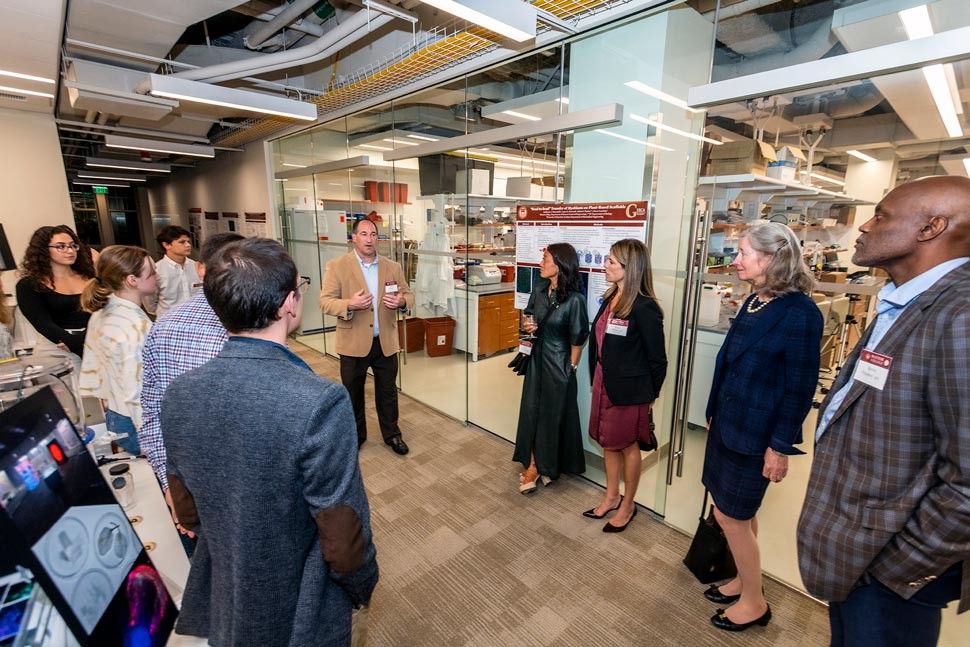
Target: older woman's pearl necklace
{"points": [[760, 306]]}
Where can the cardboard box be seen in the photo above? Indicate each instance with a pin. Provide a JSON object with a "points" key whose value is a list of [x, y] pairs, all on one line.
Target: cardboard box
{"points": [[832, 277], [785, 167], [843, 213], [474, 181], [738, 158]]}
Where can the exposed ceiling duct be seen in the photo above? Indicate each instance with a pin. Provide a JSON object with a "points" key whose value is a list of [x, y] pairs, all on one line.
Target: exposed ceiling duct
{"points": [[287, 15]]}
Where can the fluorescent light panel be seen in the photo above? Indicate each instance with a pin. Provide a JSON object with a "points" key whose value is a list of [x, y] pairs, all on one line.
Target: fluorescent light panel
{"points": [[26, 77], [670, 129], [294, 165], [156, 146], [423, 137], [46, 95], [642, 142], [663, 96], [862, 156], [126, 165], [608, 115], [521, 115], [390, 10], [93, 183], [511, 18], [214, 95], [103, 175], [917, 24]]}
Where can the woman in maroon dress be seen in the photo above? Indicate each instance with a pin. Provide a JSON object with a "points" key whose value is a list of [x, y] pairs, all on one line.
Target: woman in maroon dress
{"points": [[628, 363]]}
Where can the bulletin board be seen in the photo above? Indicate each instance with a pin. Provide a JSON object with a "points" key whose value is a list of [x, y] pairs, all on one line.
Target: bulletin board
{"points": [[591, 228]]}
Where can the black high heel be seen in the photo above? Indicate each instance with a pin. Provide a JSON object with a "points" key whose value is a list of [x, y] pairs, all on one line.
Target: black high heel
{"points": [[611, 528], [721, 621], [591, 513], [713, 593]]}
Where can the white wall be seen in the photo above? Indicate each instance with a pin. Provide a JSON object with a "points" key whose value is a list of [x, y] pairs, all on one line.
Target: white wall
{"points": [[32, 180], [232, 181]]}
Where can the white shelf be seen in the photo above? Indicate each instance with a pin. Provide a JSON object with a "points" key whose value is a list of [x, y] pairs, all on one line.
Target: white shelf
{"points": [[771, 190]]}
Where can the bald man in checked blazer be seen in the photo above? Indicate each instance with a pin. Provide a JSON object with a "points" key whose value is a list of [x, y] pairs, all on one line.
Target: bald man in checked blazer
{"points": [[884, 534]]}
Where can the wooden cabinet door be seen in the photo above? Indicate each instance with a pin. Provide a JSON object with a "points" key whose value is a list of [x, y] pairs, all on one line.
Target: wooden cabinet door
{"points": [[489, 329]]}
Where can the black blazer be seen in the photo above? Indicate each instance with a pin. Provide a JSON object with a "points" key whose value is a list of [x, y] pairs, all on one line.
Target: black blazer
{"points": [[634, 367]]}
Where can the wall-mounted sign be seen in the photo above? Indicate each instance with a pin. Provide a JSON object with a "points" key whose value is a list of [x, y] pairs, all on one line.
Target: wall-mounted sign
{"points": [[100, 189]]}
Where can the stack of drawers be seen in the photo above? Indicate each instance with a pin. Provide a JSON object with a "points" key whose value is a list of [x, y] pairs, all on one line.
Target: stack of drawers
{"points": [[498, 323]]}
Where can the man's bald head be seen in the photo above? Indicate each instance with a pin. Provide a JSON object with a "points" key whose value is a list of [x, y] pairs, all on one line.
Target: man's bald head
{"points": [[917, 226]]}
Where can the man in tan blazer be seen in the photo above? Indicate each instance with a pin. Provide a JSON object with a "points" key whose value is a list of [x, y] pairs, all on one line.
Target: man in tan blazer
{"points": [[366, 292], [884, 534]]}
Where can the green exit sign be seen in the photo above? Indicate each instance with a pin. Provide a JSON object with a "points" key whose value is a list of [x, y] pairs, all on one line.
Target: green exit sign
{"points": [[100, 189]]}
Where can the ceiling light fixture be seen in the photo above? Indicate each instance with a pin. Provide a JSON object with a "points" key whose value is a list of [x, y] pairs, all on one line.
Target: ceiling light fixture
{"points": [[93, 183], [423, 137], [862, 156], [635, 141], [172, 87], [663, 96], [6, 88], [917, 24], [399, 141], [156, 146], [375, 147], [826, 178], [510, 18], [521, 115], [26, 77], [126, 165], [102, 175], [607, 115], [294, 165], [326, 167], [670, 129]]}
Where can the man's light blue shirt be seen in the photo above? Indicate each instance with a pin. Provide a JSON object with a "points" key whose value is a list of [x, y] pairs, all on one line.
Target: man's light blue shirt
{"points": [[892, 302], [370, 277]]}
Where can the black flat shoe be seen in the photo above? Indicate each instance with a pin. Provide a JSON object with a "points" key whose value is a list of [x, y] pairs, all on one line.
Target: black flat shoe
{"points": [[399, 446], [721, 621], [713, 593], [609, 527], [591, 513]]}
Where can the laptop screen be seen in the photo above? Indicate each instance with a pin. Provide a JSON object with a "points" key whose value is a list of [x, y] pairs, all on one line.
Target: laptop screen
{"points": [[62, 531]]}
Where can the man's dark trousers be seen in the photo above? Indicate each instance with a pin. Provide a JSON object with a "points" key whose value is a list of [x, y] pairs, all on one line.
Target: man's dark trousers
{"points": [[353, 373]]}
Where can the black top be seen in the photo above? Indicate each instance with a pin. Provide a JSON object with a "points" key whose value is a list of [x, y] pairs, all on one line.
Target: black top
{"points": [[53, 314], [635, 365]]}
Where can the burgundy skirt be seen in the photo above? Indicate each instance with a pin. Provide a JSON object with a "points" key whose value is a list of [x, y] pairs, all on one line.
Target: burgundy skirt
{"points": [[612, 426]]}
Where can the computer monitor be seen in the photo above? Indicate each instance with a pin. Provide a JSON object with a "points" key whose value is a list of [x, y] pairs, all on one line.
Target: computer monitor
{"points": [[62, 530]]}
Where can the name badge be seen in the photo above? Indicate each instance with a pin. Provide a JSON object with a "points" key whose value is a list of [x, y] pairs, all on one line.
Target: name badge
{"points": [[617, 327], [873, 369], [525, 347], [390, 287]]}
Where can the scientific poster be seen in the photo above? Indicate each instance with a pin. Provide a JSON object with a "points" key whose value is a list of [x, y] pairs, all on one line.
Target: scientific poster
{"points": [[591, 228]]}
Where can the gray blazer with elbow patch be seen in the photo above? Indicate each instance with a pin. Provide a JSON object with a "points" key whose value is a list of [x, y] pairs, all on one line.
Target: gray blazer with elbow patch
{"points": [[262, 458]]}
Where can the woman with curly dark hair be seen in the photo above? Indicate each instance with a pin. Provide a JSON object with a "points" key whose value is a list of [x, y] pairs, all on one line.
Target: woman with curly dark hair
{"points": [[549, 437], [55, 268]]}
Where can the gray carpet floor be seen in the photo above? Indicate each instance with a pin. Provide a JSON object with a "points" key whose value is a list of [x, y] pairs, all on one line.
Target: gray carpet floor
{"points": [[467, 560]]}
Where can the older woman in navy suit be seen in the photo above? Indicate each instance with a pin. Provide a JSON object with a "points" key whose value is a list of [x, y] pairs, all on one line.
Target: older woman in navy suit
{"points": [[764, 381]]}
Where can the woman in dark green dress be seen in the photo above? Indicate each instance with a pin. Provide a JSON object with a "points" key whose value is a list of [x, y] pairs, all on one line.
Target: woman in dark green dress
{"points": [[549, 439]]}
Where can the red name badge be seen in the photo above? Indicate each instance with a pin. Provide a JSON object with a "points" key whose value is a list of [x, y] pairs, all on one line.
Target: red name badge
{"points": [[390, 287], [617, 326], [873, 369]]}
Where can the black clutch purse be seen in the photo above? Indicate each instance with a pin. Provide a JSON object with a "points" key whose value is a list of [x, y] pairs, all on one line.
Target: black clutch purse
{"points": [[647, 438], [520, 363]]}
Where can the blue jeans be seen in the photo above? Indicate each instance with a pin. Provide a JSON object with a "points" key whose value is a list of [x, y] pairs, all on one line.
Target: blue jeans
{"points": [[119, 424], [875, 616]]}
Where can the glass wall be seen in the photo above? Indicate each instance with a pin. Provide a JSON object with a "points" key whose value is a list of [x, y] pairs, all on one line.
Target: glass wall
{"points": [[449, 217]]}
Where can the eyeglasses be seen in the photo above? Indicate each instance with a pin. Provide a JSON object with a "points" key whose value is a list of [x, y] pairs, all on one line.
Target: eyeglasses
{"points": [[63, 247], [303, 285]]}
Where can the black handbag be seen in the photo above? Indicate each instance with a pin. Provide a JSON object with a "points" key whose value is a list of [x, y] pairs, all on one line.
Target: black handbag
{"points": [[647, 438], [709, 557], [520, 363]]}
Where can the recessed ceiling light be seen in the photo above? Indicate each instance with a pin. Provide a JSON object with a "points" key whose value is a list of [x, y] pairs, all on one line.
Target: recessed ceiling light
{"points": [[635, 141], [46, 95], [659, 94], [683, 133], [862, 156], [26, 77]]}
